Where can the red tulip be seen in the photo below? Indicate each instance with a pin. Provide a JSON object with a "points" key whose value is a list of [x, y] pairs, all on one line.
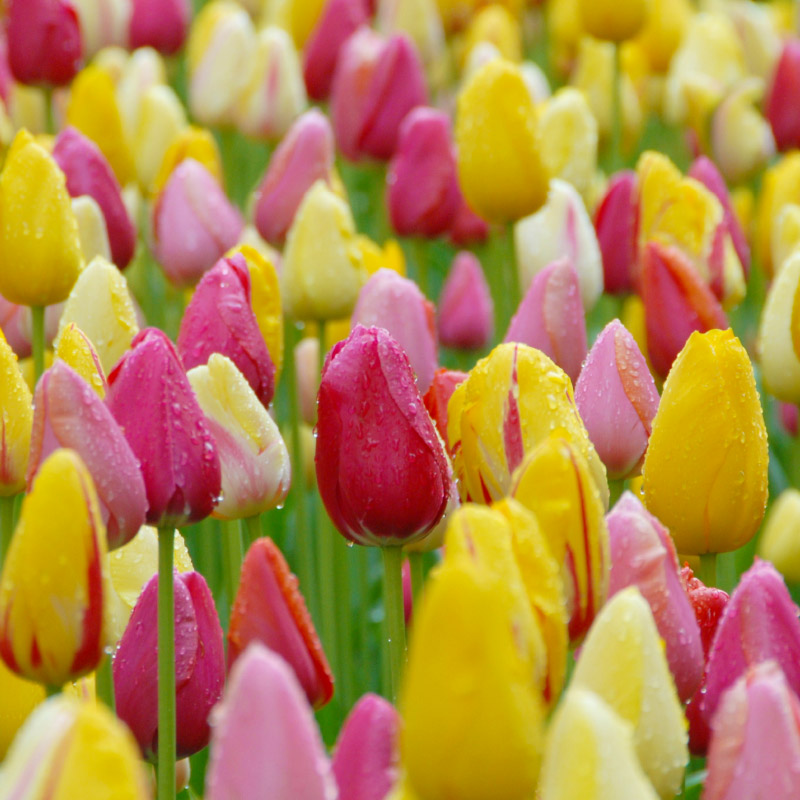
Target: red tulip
{"points": [[161, 24], [438, 396], [781, 102], [708, 604], [467, 227], [466, 310], [616, 222]]}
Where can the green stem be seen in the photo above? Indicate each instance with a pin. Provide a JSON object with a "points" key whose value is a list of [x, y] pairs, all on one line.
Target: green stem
{"points": [[49, 117], [395, 642], [615, 490], [362, 567], [37, 313], [616, 159], [253, 525], [104, 683], [344, 620], [52, 691], [708, 569], [233, 555], [166, 665], [6, 526], [415, 562]]}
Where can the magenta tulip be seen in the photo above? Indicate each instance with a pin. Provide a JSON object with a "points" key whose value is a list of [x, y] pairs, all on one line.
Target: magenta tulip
{"points": [[381, 467], [781, 102], [161, 24], [467, 227], [616, 222], [789, 414], [152, 400], [466, 310]]}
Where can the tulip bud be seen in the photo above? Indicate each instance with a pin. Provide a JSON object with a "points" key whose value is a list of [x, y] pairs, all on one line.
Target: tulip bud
{"points": [[322, 267], [550, 317], [141, 70], [780, 539], [714, 504], [264, 734], [466, 310], [613, 21], [13, 323], [396, 304], [496, 135], [39, 244], [783, 86], [92, 231], [51, 609], [617, 400], [616, 221], [152, 400], [467, 227], [438, 396], [562, 228], [44, 41], [367, 399], [103, 24], [158, 24], [191, 142], [789, 414], [708, 604], [495, 25], [422, 194], [199, 665], [16, 419], [780, 187]]}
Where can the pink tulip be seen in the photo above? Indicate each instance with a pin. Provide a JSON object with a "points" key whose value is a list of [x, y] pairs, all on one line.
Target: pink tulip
{"points": [[88, 173], [151, 399], [161, 24], [422, 194], [643, 555], [194, 223], [708, 603], [781, 103], [220, 319], [304, 156], [788, 415], [199, 665], [617, 400], [467, 227], [381, 467], [376, 83], [44, 41], [390, 301], [438, 396], [550, 317], [366, 760], [616, 222], [306, 364], [14, 326], [265, 737], [68, 413], [466, 311], [338, 21]]}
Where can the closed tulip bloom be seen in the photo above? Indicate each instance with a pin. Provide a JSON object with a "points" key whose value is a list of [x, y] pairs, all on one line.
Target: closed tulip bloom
{"points": [[264, 734], [152, 400], [16, 420], [721, 506], [199, 667], [562, 228], [496, 135], [51, 609], [643, 555], [612, 21], [780, 539], [20, 698], [365, 759], [103, 23], [376, 494], [194, 224], [76, 350], [616, 221], [783, 86], [69, 748], [44, 41], [390, 301], [708, 604], [663, 31], [466, 310], [438, 396], [550, 317], [68, 413], [40, 250], [92, 231], [13, 323], [304, 156], [789, 417], [322, 271], [422, 194], [191, 142], [780, 187], [269, 608], [160, 25], [467, 227], [617, 400]]}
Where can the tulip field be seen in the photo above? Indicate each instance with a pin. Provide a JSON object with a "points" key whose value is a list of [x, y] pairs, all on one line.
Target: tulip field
{"points": [[399, 400]]}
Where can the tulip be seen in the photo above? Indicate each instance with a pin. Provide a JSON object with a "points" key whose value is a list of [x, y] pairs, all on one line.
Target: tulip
{"points": [[617, 400], [472, 719], [103, 23], [338, 21], [466, 310], [264, 734], [51, 609], [13, 324], [510, 402], [496, 25], [365, 760], [555, 483], [16, 419], [708, 604], [550, 317], [269, 608], [467, 227], [643, 555], [780, 539], [304, 155], [194, 224], [783, 86], [709, 405], [755, 745], [438, 396], [92, 231], [44, 41], [306, 364], [496, 135], [199, 666], [616, 221], [587, 728], [39, 244], [789, 414], [158, 24], [663, 31], [613, 21], [396, 304], [152, 400], [780, 187], [69, 748], [676, 304], [20, 698], [191, 142], [422, 194], [76, 350], [562, 228], [322, 270]]}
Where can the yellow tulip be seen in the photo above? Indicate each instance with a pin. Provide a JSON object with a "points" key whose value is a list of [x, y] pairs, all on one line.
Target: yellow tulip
{"points": [[20, 697], [76, 349], [16, 421], [785, 235], [613, 20], [623, 662], [780, 539], [421, 22], [705, 471], [498, 26], [40, 250], [191, 142], [301, 17], [375, 258], [54, 578], [92, 231], [565, 31], [500, 167], [323, 271], [779, 187], [663, 30]]}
